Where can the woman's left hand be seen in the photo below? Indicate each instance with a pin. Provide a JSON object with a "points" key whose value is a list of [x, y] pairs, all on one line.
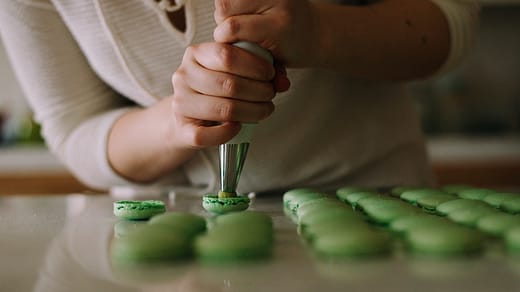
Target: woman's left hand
{"points": [[287, 28]]}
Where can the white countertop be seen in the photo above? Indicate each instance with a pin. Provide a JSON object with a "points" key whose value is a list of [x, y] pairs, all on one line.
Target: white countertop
{"points": [[62, 243]]}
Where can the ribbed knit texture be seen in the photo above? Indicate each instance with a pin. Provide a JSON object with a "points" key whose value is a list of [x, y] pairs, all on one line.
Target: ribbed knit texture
{"points": [[81, 62]]}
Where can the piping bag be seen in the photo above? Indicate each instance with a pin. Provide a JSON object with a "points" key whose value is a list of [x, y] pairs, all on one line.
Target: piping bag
{"points": [[233, 153]]}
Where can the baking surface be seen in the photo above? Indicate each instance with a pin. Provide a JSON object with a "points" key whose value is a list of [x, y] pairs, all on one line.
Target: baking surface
{"points": [[61, 243]]}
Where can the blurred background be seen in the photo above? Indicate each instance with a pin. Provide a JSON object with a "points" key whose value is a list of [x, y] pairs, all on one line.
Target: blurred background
{"points": [[471, 117]]}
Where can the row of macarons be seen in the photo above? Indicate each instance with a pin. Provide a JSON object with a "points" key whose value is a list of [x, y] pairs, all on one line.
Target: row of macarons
{"points": [[180, 236], [437, 208], [422, 230], [469, 212]]}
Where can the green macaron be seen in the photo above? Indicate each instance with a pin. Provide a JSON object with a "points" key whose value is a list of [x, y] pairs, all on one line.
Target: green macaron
{"points": [[422, 221], [343, 192], [151, 243], [470, 216], [225, 244], [294, 198], [319, 205], [123, 227], [388, 211], [328, 216], [292, 194], [354, 198], [186, 223], [398, 190], [430, 202], [444, 241], [512, 240], [412, 196], [260, 222], [450, 206], [352, 243], [245, 218], [455, 189], [311, 232], [213, 204], [497, 224], [475, 193], [375, 201], [511, 205], [138, 210], [495, 199]]}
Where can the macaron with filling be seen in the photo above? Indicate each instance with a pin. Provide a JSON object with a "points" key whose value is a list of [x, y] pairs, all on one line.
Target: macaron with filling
{"points": [[138, 210]]}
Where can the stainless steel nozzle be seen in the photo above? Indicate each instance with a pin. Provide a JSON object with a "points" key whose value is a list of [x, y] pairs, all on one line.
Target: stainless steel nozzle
{"points": [[232, 158], [233, 154]]}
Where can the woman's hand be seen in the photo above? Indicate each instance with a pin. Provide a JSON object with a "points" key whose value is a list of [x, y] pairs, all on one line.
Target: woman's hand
{"points": [[217, 87], [287, 28]]}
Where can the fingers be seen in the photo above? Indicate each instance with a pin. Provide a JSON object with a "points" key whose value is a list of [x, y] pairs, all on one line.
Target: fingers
{"points": [[227, 8], [217, 87], [250, 28], [230, 59], [201, 136], [281, 81], [214, 83], [210, 108]]}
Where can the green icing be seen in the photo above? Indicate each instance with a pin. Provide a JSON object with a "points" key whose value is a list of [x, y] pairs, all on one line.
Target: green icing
{"points": [[475, 194], [511, 205], [212, 203], [413, 195], [138, 210]]}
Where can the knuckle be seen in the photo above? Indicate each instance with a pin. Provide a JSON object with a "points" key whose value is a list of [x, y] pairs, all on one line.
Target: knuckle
{"points": [[176, 104], [197, 137], [225, 56], [189, 53], [268, 110], [226, 110], [223, 6], [228, 85], [232, 26], [177, 78]]}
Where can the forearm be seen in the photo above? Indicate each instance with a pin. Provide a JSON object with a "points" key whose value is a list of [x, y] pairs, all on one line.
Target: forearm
{"points": [[141, 144], [387, 40]]}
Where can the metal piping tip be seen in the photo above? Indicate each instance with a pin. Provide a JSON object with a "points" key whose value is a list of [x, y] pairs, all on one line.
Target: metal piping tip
{"points": [[232, 158]]}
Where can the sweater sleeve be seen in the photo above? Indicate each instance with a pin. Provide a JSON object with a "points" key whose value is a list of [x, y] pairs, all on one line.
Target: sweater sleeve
{"points": [[74, 106], [463, 18]]}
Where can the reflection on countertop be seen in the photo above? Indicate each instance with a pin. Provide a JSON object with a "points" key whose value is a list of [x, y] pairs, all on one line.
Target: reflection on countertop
{"points": [[63, 244]]}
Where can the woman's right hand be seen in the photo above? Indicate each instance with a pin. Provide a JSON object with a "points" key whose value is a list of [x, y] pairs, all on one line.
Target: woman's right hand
{"points": [[217, 87]]}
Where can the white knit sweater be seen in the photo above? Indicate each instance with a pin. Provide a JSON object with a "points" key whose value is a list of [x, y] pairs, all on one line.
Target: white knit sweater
{"points": [[83, 63]]}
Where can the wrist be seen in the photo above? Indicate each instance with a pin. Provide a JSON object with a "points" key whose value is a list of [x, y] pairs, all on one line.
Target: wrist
{"points": [[168, 139]]}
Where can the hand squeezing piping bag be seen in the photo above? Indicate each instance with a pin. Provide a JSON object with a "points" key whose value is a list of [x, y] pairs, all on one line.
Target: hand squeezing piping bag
{"points": [[233, 153]]}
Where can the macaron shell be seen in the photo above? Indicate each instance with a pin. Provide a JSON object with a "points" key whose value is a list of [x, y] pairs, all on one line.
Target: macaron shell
{"points": [[431, 202], [187, 223], [497, 224], [213, 204], [138, 210], [470, 217], [422, 221], [496, 199], [512, 241], [450, 206], [475, 193], [511, 205], [356, 243], [444, 241], [150, 243], [413, 195]]}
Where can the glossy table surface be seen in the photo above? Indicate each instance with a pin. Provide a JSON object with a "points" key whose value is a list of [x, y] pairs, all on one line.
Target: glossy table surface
{"points": [[62, 243]]}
